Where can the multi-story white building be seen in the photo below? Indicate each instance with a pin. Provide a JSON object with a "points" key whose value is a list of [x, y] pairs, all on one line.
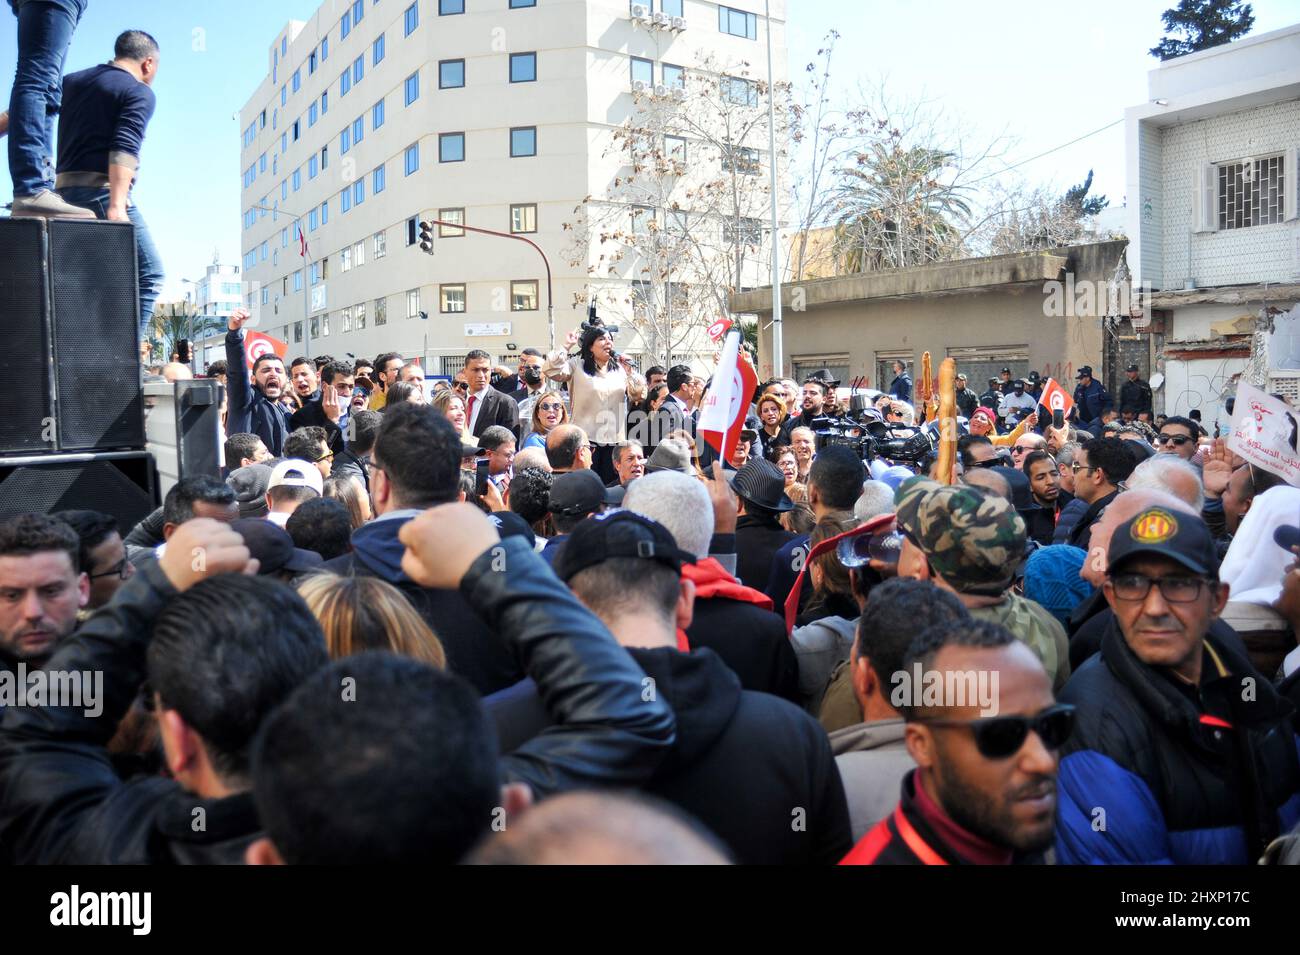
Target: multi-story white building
{"points": [[498, 114], [216, 295], [1213, 177]]}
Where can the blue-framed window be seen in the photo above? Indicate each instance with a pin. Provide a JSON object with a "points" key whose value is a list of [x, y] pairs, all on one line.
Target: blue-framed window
{"points": [[345, 81], [261, 163], [672, 7], [313, 220], [284, 95], [284, 189], [522, 4], [377, 50], [358, 129], [359, 192], [358, 11], [412, 158], [324, 158], [345, 26], [345, 140], [523, 141], [325, 212], [738, 23], [447, 7], [345, 199], [297, 179], [411, 19], [313, 113], [358, 69], [523, 67], [324, 49], [377, 115], [451, 147], [265, 250], [324, 102], [412, 87], [451, 74], [313, 167], [313, 60], [296, 82], [674, 76], [378, 180]]}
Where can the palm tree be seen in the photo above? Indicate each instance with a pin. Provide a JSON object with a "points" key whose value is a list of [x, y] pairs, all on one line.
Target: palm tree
{"points": [[170, 325]]}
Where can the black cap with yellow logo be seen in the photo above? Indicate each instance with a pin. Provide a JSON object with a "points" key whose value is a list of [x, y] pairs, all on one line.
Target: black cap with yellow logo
{"points": [[1180, 537]]}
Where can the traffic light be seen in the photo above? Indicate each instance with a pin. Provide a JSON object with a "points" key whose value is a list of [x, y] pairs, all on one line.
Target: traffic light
{"points": [[426, 236]]}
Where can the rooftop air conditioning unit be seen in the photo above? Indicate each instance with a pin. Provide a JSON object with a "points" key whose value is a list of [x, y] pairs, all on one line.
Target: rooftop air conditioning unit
{"points": [[679, 23], [679, 93], [640, 11], [640, 86], [661, 19], [661, 91]]}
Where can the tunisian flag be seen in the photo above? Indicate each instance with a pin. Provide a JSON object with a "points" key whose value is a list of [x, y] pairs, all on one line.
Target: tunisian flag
{"points": [[257, 344], [1054, 396], [724, 410]]}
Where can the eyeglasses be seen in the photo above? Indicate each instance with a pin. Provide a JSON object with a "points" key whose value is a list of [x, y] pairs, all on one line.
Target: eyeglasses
{"points": [[1076, 467], [1178, 590], [551, 406], [328, 456], [461, 386], [990, 463], [1017, 449], [1002, 736], [1177, 440], [120, 569]]}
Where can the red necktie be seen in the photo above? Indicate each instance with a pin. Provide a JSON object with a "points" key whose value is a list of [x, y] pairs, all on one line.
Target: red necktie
{"points": [[469, 414]]}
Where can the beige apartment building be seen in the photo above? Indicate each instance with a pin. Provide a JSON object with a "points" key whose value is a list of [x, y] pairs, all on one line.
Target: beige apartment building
{"points": [[497, 114]]}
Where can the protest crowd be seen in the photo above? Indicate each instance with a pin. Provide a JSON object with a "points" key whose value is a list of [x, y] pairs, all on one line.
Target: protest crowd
{"points": [[554, 614]]}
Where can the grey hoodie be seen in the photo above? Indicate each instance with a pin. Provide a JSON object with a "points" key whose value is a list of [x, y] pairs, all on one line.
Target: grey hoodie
{"points": [[819, 647], [872, 760]]}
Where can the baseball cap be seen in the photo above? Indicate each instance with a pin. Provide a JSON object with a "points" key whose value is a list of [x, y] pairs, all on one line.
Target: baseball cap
{"points": [[1085, 371], [974, 538], [580, 492], [604, 537], [295, 472], [1183, 538], [1131, 368], [250, 485], [273, 547]]}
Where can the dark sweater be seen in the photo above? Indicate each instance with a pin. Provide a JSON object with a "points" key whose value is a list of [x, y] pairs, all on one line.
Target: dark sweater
{"points": [[105, 110]]}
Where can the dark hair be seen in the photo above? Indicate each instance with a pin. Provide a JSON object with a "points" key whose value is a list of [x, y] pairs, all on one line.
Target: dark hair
{"points": [[495, 436], [134, 45], [530, 494], [1112, 457], [304, 443], [651, 397], [290, 493], [381, 363], [346, 490], [399, 392], [269, 356], [419, 451], [532, 352], [562, 453], [897, 610], [654, 370], [92, 529], [475, 354], [678, 375], [360, 363], [228, 651], [25, 534], [837, 473], [1193, 428], [302, 360], [1033, 457], [178, 506], [964, 443], [218, 367], [239, 446], [323, 360], [627, 585], [954, 633], [819, 383], [364, 428], [335, 369], [402, 771], [592, 332], [323, 525]]}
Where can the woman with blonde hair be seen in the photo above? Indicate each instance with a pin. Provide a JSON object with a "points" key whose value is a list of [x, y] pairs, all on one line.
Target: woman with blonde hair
{"points": [[452, 406], [771, 415], [351, 493], [549, 412], [362, 614]]}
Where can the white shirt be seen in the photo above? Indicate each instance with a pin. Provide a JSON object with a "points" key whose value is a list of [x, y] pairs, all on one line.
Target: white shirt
{"points": [[278, 518], [478, 406]]}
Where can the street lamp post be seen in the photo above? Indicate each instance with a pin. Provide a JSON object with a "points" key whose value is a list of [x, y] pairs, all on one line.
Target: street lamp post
{"points": [[306, 278]]}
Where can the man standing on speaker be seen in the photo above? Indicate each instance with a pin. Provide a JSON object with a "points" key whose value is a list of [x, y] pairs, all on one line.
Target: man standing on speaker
{"points": [[255, 406], [105, 112]]}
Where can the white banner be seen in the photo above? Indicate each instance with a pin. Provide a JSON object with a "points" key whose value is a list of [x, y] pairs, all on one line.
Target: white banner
{"points": [[1266, 432]]}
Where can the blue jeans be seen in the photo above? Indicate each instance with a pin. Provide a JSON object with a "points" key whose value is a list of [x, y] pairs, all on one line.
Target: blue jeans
{"points": [[44, 32], [148, 260]]}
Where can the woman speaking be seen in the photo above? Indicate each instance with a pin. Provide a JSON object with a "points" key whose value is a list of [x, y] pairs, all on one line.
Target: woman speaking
{"points": [[597, 380]]}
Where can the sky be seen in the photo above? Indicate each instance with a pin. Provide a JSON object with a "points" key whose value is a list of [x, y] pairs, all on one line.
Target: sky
{"points": [[1029, 74]]}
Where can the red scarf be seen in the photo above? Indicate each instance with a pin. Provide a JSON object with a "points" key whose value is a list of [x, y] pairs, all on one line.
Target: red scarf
{"points": [[712, 580]]}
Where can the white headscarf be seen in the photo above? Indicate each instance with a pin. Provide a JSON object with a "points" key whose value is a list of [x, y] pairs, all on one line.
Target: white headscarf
{"points": [[1255, 565]]}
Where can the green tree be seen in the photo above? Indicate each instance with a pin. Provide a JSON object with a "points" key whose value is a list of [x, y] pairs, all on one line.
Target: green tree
{"points": [[1202, 24], [171, 324]]}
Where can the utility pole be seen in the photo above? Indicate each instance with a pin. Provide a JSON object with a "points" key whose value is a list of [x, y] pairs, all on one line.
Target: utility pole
{"points": [[777, 343]]}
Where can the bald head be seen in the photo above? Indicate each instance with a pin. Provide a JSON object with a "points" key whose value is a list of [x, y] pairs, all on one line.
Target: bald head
{"points": [[175, 371], [988, 480], [1169, 473], [587, 828], [565, 448], [531, 458], [1125, 507]]}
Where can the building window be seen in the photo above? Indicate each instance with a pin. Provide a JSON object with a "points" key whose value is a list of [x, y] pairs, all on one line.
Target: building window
{"points": [[313, 220], [324, 49], [381, 244], [324, 102], [345, 140], [312, 60], [447, 7], [674, 76], [523, 67], [412, 158], [523, 141], [358, 11], [740, 159], [671, 7], [325, 325], [523, 296], [643, 71], [451, 298], [738, 23], [345, 82], [739, 91], [411, 19], [377, 115], [359, 317], [377, 181], [412, 87], [523, 218], [358, 192], [522, 4], [377, 50], [345, 199], [297, 179], [675, 148], [451, 74], [297, 280], [451, 147], [1251, 193], [347, 319], [313, 112], [313, 167], [325, 213], [345, 26], [413, 303], [345, 260], [324, 157], [358, 69], [261, 163], [358, 129], [296, 129], [297, 332], [284, 95], [642, 216], [743, 231], [381, 311], [450, 231], [296, 82], [314, 324], [412, 230]]}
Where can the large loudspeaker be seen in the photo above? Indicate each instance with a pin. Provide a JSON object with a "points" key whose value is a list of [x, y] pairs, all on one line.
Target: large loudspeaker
{"points": [[120, 483], [71, 361]]}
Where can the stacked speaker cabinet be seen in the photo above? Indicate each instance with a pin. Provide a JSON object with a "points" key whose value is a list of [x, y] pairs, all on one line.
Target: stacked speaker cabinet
{"points": [[69, 362]]}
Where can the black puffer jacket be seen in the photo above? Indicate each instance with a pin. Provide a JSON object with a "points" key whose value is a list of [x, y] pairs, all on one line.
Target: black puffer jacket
{"points": [[249, 411]]}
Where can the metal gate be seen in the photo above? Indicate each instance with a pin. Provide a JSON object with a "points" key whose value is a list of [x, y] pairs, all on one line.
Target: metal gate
{"points": [[805, 365], [979, 364]]}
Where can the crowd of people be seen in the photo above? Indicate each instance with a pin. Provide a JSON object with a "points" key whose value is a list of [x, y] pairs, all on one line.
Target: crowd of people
{"points": [[530, 617]]}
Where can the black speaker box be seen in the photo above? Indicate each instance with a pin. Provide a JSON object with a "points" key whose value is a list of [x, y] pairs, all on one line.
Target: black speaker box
{"points": [[120, 483]]}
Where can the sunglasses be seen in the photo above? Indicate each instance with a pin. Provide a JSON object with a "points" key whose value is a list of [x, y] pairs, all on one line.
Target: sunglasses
{"points": [[461, 386], [120, 569], [1177, 440], [551, 406], [990, 463], [1001, 737]]}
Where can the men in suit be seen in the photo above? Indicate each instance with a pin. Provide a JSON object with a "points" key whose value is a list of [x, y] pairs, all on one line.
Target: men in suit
{"points": [[675, 412], [511, 384], [484, 405]]}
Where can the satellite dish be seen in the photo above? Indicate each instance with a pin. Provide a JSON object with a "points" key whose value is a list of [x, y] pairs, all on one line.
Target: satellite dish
{"points": [[1157, 380]]}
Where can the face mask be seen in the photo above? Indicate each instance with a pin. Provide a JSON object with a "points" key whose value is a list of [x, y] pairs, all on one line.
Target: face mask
{"points": [[532, 375]]}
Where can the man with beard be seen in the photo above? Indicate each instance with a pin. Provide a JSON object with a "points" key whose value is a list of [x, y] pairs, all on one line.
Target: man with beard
{"points": [[255, 406], [984, 790], [41, 588], [1045, 485]]}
